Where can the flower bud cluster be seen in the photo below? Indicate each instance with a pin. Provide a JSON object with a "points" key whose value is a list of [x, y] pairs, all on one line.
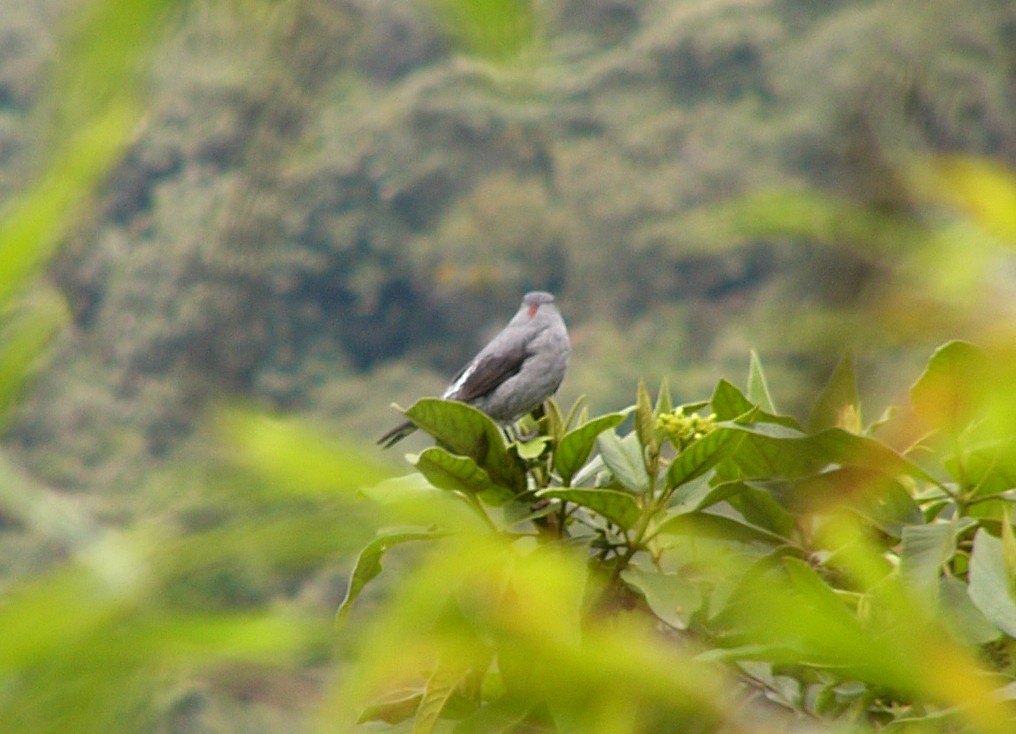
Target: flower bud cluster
{"points": [[682, 429]]}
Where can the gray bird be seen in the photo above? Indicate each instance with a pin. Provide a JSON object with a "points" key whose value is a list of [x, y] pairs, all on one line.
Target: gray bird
{"points": [[518, 369]]}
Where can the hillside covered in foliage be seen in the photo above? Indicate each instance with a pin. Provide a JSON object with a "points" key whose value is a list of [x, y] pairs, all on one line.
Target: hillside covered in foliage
{"points": [[329, 204]]}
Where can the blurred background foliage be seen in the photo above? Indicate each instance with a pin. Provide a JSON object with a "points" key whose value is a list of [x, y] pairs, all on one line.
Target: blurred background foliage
{"points": [[322, 206]]}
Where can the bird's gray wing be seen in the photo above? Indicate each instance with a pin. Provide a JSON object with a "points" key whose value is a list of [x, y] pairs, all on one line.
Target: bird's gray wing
{"points": [[486, 372]]}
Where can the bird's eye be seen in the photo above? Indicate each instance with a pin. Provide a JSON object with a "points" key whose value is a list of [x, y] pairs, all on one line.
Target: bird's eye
{"points": [[533, 308]]}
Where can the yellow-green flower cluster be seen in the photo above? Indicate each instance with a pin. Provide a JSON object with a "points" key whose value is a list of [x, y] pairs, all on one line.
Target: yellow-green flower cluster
{"points": [[681, 429]]}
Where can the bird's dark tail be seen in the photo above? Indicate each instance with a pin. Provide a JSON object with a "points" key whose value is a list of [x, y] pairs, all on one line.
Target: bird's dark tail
{"points": [[396, 434]]}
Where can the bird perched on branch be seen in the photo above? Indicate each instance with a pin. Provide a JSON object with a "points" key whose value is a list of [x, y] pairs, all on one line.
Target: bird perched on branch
{"points": [[518, 369]]}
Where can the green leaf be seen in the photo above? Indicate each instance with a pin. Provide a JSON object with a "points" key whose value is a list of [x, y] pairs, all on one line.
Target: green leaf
{"points": [[574, 449], [700, 494], [555, 422], [448, 471], [533, 448], [702, 455], [962, 618], [645, 423], [758, 507], [771, 450], [575, 412], [990, 587], [663, 401], [623, 456], [723, 527], [466, 431], [838, 401], [925, 549], [953, 387], [758, 389], [368, 563], [671, 598], [618, 507], [440, 686], [729, 403], [392, 708]]}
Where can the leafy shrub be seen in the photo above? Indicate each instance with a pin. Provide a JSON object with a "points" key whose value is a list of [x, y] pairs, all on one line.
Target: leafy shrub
{"points": [[716, 557]]}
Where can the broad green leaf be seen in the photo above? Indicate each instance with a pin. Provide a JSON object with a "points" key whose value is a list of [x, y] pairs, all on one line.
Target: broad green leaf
{"points": [[925, 549], [671, 598], [368, 563], [449, 471], [574, 449], [875, 495], [724, 527], [820, 594], [700, 494], [961, 617], [760, 509], [729, 403], [952, 389], [623, 456], [837, 406], [990, 586], [758, 388], [702, 455], [466, 431], [618, 507], [771, 450]]}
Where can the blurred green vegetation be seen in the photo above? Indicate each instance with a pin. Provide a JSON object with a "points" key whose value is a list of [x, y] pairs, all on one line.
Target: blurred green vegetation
{"points": [[319, 207]]}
